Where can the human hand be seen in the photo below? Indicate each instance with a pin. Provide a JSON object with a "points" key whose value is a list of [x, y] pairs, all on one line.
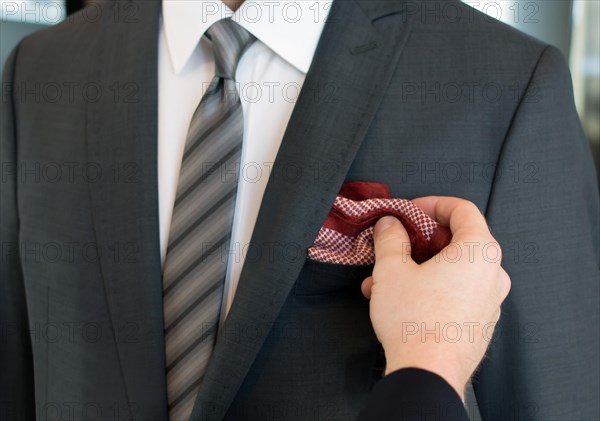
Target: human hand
{"points": [[439, 315]]}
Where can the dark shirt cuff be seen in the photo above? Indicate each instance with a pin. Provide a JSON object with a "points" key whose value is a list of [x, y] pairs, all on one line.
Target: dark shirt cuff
{"points": [[413, 394]]}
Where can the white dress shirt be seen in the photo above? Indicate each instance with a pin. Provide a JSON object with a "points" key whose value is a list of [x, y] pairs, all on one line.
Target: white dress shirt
{"points": [[269, 77]]}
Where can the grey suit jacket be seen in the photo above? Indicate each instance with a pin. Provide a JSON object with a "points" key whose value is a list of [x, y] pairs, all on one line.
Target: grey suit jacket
{"points": [[430, 98]]}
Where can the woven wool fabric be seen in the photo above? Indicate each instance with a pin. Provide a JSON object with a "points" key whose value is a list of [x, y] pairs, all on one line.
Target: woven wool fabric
{"points": [[346, 237]]}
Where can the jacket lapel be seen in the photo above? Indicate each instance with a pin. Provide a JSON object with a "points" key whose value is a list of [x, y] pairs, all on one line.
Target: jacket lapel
{"points": [[357, 54], [122, 149]]}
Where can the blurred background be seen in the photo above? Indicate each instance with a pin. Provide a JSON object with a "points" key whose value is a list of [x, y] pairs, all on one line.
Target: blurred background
{"points": [[571, 25]]}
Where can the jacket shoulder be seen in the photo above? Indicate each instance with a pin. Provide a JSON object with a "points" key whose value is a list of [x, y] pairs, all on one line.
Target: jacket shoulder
{"points": [[458, 25], [66, 46]]}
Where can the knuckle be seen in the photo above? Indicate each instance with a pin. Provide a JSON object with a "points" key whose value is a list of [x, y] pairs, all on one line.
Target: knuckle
{"points": [[507, 283], [497, 316], [494, 245], [469, 206]]}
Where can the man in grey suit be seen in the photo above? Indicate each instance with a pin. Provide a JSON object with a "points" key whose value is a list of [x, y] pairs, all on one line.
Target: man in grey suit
{"points": [[430, 98]]}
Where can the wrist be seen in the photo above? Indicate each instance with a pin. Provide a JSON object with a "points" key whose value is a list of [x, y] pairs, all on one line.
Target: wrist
{"points": [[451, 371]]}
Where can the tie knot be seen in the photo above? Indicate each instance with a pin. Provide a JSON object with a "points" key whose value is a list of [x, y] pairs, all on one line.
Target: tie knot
{"points": [[229, 41]]}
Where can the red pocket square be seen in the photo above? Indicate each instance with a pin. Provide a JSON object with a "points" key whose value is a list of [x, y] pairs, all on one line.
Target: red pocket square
{"points": [[346, 238]]}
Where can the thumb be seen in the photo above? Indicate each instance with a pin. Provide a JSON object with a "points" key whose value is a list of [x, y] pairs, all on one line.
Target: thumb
{"points": [[391, 241]]}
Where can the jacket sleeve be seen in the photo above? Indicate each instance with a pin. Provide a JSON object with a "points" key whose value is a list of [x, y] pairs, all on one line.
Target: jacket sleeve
{"points": [[544, 210], [412, 394], [16, 363]]}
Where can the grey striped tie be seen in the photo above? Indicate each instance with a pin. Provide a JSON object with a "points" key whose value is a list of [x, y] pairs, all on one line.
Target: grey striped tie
{"points": [[196, 260]]}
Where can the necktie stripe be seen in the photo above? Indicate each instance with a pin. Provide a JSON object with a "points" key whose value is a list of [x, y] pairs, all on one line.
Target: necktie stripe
{"points": [[191, 307], [205, 161], [198, 253], [200, 205], [231, 111], [184, 338], [228, 119], [200, 236], [181, 412], [207, 153], [201, 250], [204, 176], [184, 293], [210, 331], [195, 263], [206, 113], [185, 373], [191, 226], [191, 388]]}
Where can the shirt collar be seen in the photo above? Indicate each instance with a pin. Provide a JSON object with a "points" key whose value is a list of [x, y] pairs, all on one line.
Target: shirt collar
{"points": [[290, 28]]}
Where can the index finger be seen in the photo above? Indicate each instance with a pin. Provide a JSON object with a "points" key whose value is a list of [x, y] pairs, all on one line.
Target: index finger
{"points": [[463, 217]]}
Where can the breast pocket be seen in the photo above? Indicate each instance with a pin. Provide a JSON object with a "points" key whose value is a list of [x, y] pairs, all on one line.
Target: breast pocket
{"points": [[318, 278]]}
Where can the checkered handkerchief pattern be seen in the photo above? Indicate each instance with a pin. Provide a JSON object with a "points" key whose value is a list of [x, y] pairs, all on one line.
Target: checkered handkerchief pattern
{"points": [[346, 238]]}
